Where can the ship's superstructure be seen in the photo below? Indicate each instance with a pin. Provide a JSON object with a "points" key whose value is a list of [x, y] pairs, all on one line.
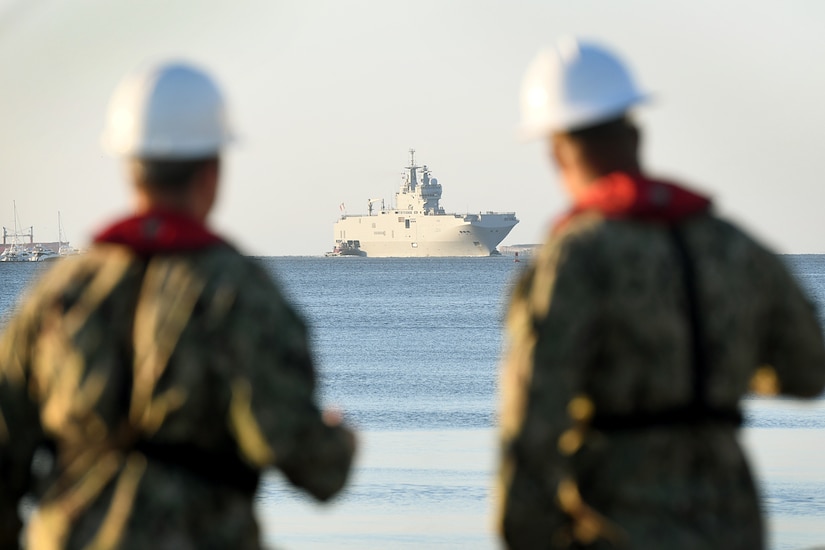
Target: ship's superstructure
{"points": [[418, 226]]}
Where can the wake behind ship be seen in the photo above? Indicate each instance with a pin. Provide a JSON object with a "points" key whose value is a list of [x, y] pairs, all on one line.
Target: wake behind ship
{"points": [[418, 226]]}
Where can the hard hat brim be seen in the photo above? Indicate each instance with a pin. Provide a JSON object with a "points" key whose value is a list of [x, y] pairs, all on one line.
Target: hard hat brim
{"points": [[578, 121]]}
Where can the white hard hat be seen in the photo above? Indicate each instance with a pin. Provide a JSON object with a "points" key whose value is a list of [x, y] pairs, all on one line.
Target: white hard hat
{"points": [[574, 85], [170, 111]]}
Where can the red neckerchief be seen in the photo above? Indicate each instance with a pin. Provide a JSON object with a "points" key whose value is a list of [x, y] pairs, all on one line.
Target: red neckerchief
{"points": [[622, 195], [159, 232]]}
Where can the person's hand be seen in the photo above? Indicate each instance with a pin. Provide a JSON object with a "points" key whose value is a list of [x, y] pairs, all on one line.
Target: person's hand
{"points": [[334, 418]]}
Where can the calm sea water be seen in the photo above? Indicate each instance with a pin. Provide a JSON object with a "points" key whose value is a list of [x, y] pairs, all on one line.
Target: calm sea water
{"points": [[409, 350]]}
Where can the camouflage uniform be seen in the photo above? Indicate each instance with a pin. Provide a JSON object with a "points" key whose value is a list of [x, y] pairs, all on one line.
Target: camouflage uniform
{"points": [[166, 454], [601, 447]]}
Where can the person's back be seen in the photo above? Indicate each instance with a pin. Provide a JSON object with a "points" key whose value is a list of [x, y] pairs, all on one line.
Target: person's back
{"points": [[216, 350], [164, 370], [633, 336]]}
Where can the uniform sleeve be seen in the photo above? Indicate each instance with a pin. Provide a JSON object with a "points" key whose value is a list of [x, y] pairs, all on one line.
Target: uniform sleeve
{"points": [[794, 344], [551, 332], [20, 431], [274, 414]]}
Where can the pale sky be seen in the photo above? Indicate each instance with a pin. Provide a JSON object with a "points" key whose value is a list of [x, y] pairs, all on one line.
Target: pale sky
{"points": [[328, 96]]}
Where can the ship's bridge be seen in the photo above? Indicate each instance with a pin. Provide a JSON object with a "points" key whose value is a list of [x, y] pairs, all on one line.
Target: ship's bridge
{"points": [[421, 198]]}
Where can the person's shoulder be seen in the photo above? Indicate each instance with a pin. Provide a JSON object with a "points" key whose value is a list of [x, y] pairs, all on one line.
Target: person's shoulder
{"points": [[591, 230], [233, 267], [562, 233], [65, 279], [580, 237], [575, 246], [593, 240], [714, 234], [252, 280], [100, 261], [228, 260]]}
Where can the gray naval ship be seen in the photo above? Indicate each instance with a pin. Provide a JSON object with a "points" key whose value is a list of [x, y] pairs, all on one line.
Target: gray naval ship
{"points": [[418, 226]]}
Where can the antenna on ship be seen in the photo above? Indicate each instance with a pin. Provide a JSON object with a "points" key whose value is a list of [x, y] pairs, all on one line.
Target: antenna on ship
{"points": [[412, 168]]}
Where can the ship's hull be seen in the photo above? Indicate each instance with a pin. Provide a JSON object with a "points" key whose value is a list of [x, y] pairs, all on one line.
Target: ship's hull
{"points": [[396, 234]]}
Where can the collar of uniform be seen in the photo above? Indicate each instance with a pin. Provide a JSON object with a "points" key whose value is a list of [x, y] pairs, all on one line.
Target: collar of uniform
{"points": [[158, 232], [622, 195]]}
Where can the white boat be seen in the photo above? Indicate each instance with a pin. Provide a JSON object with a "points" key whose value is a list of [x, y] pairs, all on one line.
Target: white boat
{"points": [[39, 253], [419, 227], [14, 253]]}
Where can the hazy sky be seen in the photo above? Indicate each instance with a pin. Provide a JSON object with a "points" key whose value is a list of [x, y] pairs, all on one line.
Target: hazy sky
{"points": [[328, 96]]}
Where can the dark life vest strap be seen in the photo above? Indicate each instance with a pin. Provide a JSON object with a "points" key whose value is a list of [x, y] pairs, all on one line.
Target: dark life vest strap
{"points": [[225, 468], [698, 411]]}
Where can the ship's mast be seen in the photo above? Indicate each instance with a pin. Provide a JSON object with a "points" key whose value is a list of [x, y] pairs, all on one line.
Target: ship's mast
{"points": [[413, 169]]}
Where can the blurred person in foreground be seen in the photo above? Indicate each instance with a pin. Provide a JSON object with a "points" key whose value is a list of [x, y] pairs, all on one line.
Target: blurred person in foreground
{"points": [[163, 368], [632, 337]]}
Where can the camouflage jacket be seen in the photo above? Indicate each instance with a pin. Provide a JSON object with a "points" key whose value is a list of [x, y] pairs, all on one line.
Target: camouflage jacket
{"points": [[163, 385], [601, 444]]}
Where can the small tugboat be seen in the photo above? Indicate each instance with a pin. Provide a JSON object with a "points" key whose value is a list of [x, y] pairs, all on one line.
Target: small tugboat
{"points": [[346, 248]]}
